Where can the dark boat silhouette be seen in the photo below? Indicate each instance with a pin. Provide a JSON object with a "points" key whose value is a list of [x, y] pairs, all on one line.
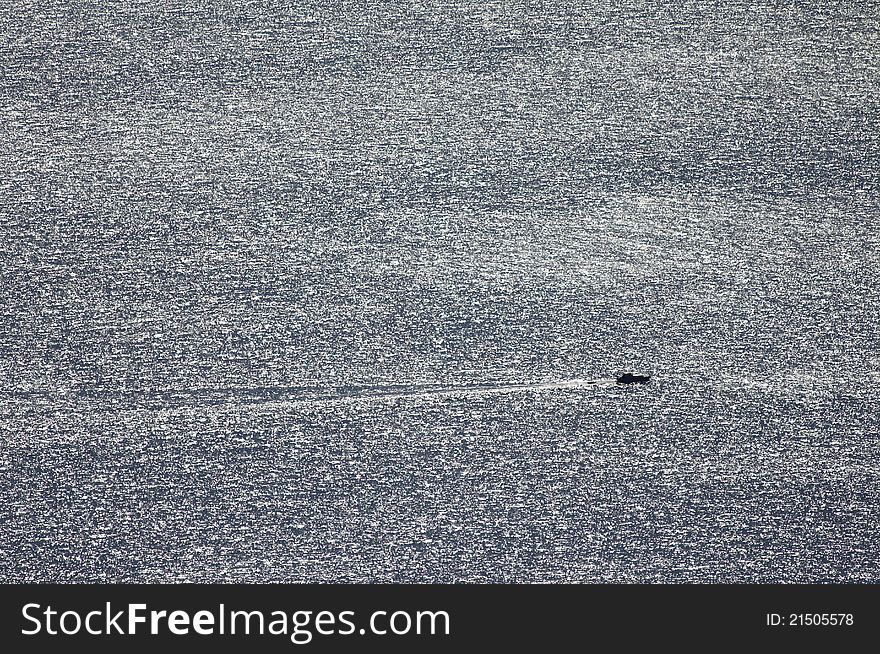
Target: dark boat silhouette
{"points": [[629, 378]]}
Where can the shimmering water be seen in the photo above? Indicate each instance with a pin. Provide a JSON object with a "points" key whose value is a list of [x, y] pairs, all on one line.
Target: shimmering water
{"points": [[304, 293]]}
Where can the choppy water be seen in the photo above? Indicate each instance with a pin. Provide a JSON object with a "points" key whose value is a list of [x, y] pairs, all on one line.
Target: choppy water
{"points": [[312, 293]]}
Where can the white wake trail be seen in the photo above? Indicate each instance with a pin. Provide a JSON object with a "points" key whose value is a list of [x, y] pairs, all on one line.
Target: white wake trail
{"points": [[475, 389]]}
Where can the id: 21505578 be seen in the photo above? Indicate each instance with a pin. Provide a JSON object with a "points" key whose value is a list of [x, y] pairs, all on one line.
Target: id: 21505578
{"points": [[810, 620]]}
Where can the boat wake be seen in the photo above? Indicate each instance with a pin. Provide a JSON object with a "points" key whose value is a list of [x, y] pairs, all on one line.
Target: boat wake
{"points": [[394, 392], [276, 394]]}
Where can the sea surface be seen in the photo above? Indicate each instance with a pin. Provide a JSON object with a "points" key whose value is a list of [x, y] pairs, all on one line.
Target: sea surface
{"points": [[337, 291]]}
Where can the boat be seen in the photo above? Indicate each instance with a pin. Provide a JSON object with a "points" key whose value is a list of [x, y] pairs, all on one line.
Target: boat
{"points": [[629, 378]]}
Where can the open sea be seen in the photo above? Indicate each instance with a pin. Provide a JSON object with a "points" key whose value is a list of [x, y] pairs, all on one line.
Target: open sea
{"points": [[337, 291]]}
